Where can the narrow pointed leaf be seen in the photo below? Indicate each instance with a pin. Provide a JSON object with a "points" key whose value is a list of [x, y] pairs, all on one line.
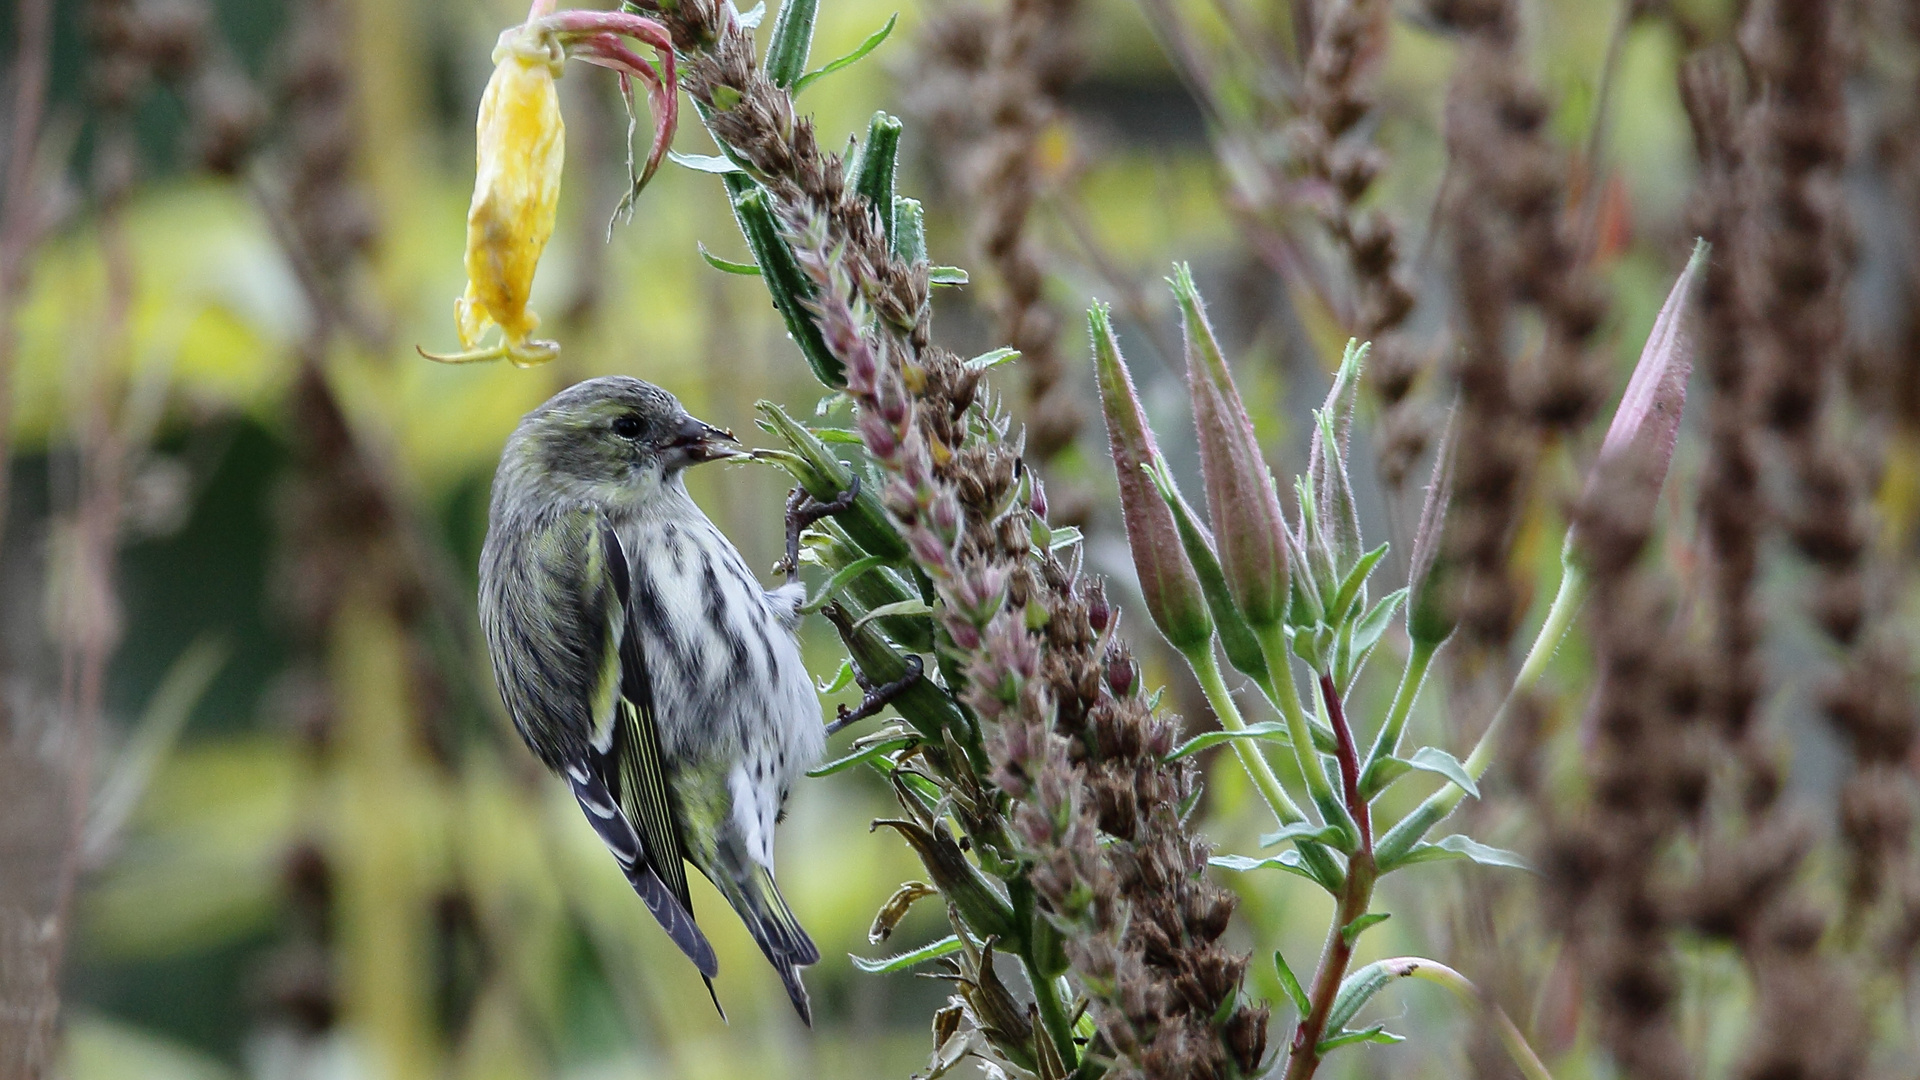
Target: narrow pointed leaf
{"points": [[946, 275], [993, 358], [1457, 847], [1291, 984], [1236, 637], [1435, 760], [706, 163], [863, 755], [946, 946], [859, 53], [1265, 731], [728, 266], [1378, 1033], [1352, 931], [1332, 836]]}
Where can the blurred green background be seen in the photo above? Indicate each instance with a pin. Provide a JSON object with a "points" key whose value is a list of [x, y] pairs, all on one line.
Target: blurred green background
{"points": [[333, 873]]}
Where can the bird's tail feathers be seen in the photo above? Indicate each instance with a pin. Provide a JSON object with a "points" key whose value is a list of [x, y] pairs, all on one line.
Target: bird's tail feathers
{"points": [[619, 835], [782, 939]]}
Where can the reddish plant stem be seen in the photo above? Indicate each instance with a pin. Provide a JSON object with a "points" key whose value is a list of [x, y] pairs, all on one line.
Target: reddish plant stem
{"points": [[1303, 1057], [1349, 759]]}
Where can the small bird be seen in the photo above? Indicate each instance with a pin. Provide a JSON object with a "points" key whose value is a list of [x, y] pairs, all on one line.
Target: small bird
{"points": [[643, 662]]}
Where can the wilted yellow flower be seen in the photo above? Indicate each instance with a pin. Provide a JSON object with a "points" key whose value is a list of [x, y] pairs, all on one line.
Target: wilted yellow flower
{"points": [[521, 148]]}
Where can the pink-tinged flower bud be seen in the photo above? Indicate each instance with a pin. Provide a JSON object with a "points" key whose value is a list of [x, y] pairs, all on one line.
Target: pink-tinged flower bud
{"points": [[1167, 580], [1248, 525], [1037, 502], [1647, 424]]}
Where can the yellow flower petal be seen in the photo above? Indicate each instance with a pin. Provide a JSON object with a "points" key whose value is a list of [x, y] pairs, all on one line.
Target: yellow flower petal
{"points": [[521, 148]]}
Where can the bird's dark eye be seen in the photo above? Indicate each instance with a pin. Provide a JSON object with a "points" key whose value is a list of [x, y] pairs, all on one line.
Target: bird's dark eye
{"points": [[627, 426]]}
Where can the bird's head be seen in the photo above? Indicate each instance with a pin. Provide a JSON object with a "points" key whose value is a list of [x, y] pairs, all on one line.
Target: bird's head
{"points": [[614, 438]]}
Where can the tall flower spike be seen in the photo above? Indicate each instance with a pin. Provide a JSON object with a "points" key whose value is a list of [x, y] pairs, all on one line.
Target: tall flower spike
{"points": [[1167, 581], [1241, 501], [520, 149]]}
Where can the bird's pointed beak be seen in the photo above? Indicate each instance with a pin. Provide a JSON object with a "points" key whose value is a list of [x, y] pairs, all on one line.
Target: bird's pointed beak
{"points": [[696, 441]]}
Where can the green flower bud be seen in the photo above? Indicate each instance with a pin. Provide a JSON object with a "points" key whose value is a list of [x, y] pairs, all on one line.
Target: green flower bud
{"points": [[1339, 518], [1167, 580], [1430, 614], [1241, 500]]}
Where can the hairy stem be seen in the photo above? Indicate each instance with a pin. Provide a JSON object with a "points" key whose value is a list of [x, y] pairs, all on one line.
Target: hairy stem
{"points": [[1303, 1055], [1566, 604], [1207, 670], [1387, 742]]}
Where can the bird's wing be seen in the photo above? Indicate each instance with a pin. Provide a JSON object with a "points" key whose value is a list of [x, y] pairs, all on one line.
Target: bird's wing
{"points": [[639, 768], [624, 792]]}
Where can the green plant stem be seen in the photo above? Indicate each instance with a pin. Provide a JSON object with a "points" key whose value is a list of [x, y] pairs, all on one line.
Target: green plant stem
{"points": [[1207, 670], [1419, 967], [1053, 1014], [1286, 697], [1387, 742], [1566, 604], [1303, 1055]]}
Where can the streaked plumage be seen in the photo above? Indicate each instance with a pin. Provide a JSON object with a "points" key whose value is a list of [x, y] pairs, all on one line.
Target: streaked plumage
{"points": [[643, 662]]}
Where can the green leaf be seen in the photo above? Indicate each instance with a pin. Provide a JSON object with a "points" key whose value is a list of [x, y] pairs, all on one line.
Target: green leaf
{"points": [[1458, 847], [1435, 760], [750, 20], [1290, 984], [1356, 580], [993, 359], [1352, 931], [792, 41], [873, 42], [1378, 1033], [1381, 775], [789, 289], [1331, 835], [840, 579], [1270, 730], [898, 607], [862, 755], [1237, 639], [946, 275], [706, 163], [728, 266], [909, 230], [841, 679], [875, 166], [1065, 536], [1286, 860], [1356, 990], [1367, 631], [837, 435], [946, 946]]}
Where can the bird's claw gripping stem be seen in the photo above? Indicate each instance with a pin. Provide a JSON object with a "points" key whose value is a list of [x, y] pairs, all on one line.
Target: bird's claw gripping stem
{"points": [[876, 697], [802, 511]]}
